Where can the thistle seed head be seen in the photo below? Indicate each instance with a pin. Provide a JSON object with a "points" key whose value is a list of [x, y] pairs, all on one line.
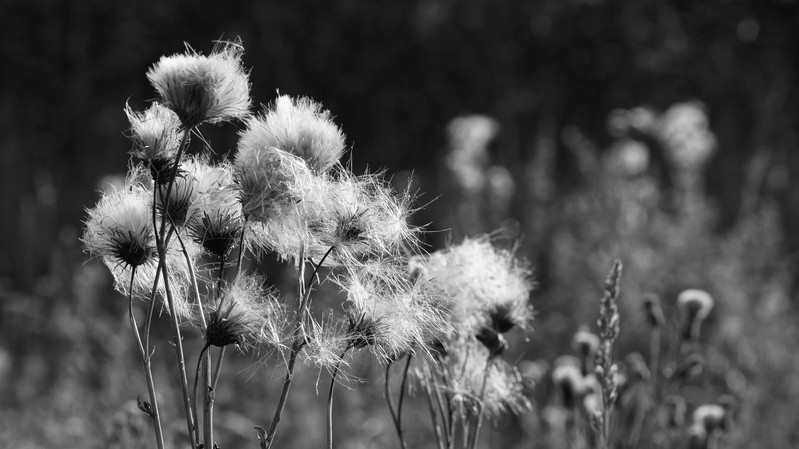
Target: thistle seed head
{"points": [[119, 227], [301, 127], [203, 89], [156, 136]]}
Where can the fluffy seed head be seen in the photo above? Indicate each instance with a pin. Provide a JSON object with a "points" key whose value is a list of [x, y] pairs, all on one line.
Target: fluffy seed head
{"points": [[361, 217], [486, 286], [119, 228], [154, 132], [301, 127], [217, 223], [400, 312], [203, 89], [246, 314], [195, 178]]}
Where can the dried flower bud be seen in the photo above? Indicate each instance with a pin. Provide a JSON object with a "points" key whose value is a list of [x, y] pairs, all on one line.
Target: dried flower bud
{"points": [[711, 416], [697, 436], [637, 368], [586, 345], [691, 367], [675, 411], [567, 377], [695, 306], [653, 310]]}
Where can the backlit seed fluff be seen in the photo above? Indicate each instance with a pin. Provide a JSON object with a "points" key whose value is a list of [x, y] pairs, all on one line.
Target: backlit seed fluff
{"points": [[301, 127], [400, 312], [485, 285], [246, 315], [119, 228], [217, 223], [154, 132], [203, 89], [361, 217], [270, 180]]}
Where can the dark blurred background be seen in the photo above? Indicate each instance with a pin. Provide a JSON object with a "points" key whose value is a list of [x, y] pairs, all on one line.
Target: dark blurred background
{"points": [[562, 122]]}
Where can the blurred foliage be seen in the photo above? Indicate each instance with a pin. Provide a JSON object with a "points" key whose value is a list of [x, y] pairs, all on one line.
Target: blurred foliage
{"points": [[560, 85]]}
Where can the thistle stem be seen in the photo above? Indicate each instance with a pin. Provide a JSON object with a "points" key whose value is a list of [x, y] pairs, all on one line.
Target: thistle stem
{"points": [[241, 248], [481, 408], [197, 374], [208, 414], [390, 402], [330, 400], [161, 247], [189, 409], [409, 357], [433, 414], [148, 374], [296, 347], [193, 276]]}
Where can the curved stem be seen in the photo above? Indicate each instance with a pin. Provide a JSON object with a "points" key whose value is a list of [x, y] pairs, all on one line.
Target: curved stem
{"points": [[330, 400], [197, 372], [210, 396], [432, 409], [296, 347], [409, 357], [390, 403], [187, 404], [241, 248], [162, 248], [193, 276], [148, 374], [319, 265], [481, 411]]}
